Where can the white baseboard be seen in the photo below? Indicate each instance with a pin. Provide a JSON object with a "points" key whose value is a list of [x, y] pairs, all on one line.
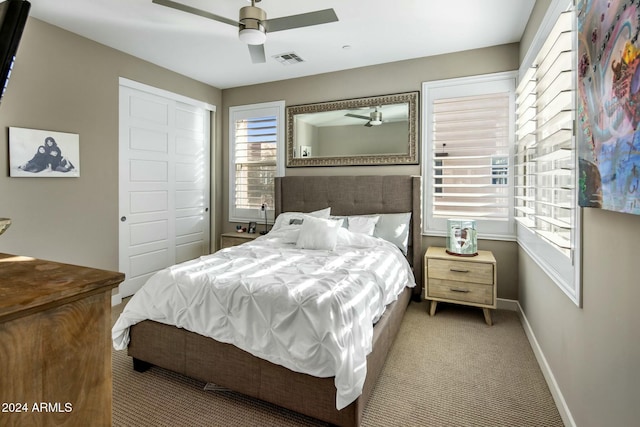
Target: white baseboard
{"points": [[558, 398], [507, 304], [116, 299]]}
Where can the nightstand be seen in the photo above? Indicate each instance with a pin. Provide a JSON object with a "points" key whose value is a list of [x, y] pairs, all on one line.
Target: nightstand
{"points": [[461, 280], [234, 238]]}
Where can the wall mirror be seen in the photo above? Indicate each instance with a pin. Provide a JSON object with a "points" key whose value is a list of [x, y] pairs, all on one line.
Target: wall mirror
{"points": [[379, 130]]}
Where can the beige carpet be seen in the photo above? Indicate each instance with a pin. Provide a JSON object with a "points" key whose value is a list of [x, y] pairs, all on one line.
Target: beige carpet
{"points": [[447, 370]]}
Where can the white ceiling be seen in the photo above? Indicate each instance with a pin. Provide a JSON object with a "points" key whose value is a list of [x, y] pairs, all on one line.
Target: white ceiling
{"points": [[376, 31]]}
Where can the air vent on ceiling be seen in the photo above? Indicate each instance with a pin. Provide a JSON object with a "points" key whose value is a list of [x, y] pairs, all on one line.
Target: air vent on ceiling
{"points": [[288, 58]]}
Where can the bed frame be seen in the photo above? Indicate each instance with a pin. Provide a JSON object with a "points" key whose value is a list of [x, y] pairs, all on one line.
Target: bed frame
{"points": [[225, 365]]}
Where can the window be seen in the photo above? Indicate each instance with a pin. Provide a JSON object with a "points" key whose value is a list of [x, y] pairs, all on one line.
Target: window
{"points": [[469, 134], [545, 158], [499, 170], [256, 138]]}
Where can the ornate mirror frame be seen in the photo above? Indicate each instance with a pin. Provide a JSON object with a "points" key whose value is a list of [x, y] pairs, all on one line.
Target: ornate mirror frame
{"points": [[406, 158]]}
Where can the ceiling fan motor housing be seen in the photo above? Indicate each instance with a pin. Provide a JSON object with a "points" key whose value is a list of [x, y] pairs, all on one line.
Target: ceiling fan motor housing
{"points": [[376, 117], [251, 22]]}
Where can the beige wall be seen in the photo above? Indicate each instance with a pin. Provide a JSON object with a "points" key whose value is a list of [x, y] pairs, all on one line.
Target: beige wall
{"points": [[535, 19], [63, 82], [404, 76], [390, 138], [593, 351]]}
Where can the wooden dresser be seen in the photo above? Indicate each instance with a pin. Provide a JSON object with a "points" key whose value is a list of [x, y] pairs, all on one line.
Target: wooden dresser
{"points": [[461, 280], [55, 343]]}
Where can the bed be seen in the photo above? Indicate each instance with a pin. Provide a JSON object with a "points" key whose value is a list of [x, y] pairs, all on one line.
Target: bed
{"points": [[227, 365]]}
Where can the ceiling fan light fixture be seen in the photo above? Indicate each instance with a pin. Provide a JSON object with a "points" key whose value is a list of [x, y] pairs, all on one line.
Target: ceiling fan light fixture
{"points": [[252, 36]]}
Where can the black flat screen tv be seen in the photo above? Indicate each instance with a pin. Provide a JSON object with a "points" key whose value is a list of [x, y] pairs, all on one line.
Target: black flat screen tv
{"points": [[13, 17]]}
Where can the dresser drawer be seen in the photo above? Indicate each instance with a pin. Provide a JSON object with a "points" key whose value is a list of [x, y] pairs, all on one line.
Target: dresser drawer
{"points": [[460, 271], [460, 291]]}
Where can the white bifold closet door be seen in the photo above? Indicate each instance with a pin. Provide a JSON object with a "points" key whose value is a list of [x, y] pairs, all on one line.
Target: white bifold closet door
{"points": [[164, 182]]}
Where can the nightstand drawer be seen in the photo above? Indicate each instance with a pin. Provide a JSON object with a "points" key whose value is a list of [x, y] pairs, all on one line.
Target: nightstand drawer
{"points": [[460, 291], [460, 271]]}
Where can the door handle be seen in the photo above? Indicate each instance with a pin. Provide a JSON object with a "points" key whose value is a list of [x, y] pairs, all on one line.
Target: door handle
{"points": [[123, 218]]}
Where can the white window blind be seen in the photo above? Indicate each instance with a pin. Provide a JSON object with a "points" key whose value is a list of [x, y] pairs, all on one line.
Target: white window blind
{"points": [[545, 157], [255, 136], [470, 133]]}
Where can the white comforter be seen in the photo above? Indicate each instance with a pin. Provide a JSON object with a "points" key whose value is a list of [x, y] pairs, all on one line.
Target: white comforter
{"points": [[311, 311]]}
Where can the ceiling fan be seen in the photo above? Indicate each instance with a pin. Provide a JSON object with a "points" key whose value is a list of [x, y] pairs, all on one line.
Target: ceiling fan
{"points": [[253, 24], [373, 119]]}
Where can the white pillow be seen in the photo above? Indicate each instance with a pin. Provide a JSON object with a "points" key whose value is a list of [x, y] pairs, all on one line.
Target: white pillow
{"points": [[395, 229], [285, 218], [345, 222], [359, 240], [363, 224], [318, 233]]}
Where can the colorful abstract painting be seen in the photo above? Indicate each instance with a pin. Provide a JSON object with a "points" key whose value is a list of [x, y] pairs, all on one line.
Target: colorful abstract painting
{"points": [[609, 104]]}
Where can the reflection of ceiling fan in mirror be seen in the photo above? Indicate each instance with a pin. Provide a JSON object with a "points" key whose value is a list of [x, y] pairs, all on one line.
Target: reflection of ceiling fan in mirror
{"points": [[253, 24], [373, 119]]}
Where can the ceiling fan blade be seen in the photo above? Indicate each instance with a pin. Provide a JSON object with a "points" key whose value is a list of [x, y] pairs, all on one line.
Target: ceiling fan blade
{"points": [[193, 10], [257, 53], [357, 116], [302, 20]]}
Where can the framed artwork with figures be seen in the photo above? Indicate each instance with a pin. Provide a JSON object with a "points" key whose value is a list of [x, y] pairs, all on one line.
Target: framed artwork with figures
{"points": [[305, 151], [43, 154]]}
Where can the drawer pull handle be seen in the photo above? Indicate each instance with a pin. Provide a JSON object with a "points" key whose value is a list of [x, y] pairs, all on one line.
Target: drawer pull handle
{"points": [[458, 270], [464, 291]]}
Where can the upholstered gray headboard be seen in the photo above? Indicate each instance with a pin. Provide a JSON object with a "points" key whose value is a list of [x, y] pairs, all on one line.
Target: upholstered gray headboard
{"points": [[358, 195]]}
